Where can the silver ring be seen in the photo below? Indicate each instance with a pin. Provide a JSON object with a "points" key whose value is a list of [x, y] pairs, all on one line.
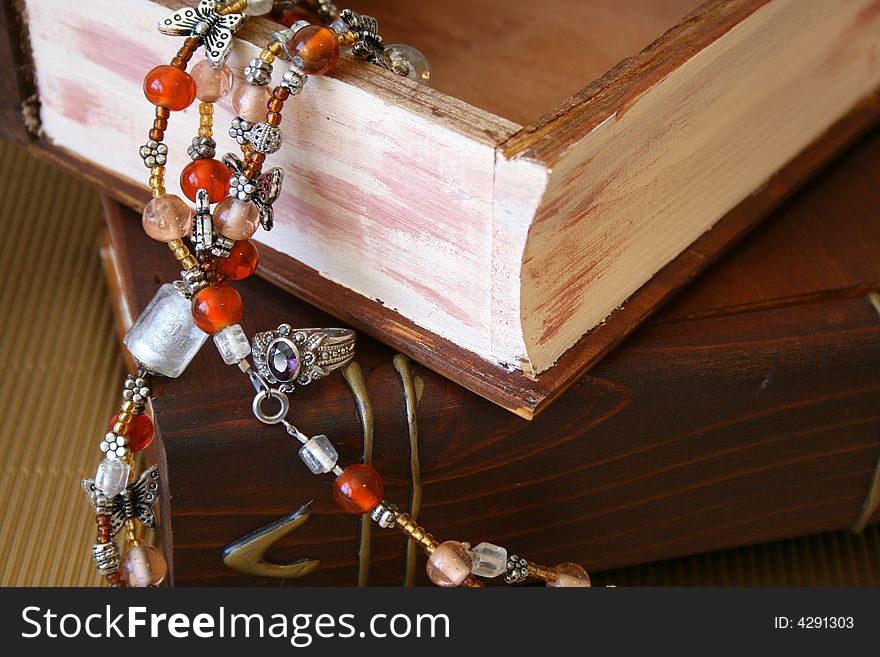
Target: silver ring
{"points": [[287, 356], [275, 418]]}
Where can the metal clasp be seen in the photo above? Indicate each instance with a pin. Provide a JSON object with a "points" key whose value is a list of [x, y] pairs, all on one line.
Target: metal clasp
{"points": [[264, 393]]}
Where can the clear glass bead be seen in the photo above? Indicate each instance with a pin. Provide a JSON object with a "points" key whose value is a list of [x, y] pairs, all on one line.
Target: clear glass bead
{"points": [[319, 455], [258, 7], [233, 344], [489, 560], [164, 339], [112, 477], [410, 62]]}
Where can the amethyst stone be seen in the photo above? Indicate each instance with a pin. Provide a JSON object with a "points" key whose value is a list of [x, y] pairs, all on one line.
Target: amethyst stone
{"points": [[282, 357]]}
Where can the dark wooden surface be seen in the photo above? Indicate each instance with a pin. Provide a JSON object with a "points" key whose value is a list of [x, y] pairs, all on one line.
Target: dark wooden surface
{"points": [[748, 410], [16, 82]]}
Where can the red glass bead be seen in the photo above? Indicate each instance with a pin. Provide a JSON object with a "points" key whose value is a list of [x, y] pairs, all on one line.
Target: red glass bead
{"points": [[210, 175], [170, 87], [216, 307], [358, 489], [140, 431], [317, 49], [241, 262]]}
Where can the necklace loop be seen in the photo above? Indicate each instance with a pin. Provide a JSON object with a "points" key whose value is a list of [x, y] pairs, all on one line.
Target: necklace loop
{"points": [[279, 415]]}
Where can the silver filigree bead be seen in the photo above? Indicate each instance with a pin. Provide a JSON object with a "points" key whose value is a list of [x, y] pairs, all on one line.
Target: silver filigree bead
{"points": [[258, 72], [517, 570], [106, 557], [265, 138], [239, 128], [222, 246], [154, 154], [294, 80], [202, 148], [241, 187], [385, 514]]}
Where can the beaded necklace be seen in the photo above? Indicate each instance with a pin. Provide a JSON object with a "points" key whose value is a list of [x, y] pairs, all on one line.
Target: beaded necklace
{"points": [[179, 319]]}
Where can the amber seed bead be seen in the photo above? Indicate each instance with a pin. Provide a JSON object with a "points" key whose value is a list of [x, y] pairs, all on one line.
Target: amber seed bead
{"points": [[210, 175], [156, 134], [216, 307], [241, 262], [358, 489], [273, 118], [170, 87], [316, 49]]}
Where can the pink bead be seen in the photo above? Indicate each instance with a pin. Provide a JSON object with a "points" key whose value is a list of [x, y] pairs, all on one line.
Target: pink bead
{"points": [[212, 84], [144, 566], [450, 564], [570, 575], [236, 219], [250, 102], [167, 218]]}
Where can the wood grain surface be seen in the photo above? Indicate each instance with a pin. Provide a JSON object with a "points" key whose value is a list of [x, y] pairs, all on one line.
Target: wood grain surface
{"points": [[747, 413], [444, 282]]}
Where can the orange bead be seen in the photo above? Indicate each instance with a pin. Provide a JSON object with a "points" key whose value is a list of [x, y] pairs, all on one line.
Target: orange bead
{"points": [[288, 17], [210, 175], [241, 262], [316, 49], [358, 489], [140, 431], [216, 307], [170, 87]]}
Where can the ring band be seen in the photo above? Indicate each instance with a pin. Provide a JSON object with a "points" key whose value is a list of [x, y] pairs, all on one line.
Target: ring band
{"points": [[286, 355]]}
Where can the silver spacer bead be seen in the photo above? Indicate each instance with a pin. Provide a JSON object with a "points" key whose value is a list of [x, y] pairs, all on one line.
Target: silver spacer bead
{"points": [[203, 225], [294, 80], [203, 233], [106, 557], [202, 148], [385, 514], [154, 154], [326, 11], [241, 187], [194, 280], [283, 38], [265, 138], [222, 246], [258, 72], [104, 505], [238, 129], [517, 570], [182, 289]]}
